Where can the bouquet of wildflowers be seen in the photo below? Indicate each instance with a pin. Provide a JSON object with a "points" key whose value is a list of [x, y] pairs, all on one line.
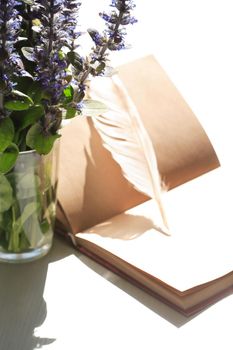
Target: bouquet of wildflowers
{"points": [[43, 80], [43, 77]]}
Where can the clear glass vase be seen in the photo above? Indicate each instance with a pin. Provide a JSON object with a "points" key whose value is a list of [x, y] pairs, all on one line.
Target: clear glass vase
{"points": [[27, 206]]}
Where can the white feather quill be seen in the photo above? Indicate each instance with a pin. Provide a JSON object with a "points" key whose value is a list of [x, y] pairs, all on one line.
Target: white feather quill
{"points": [[125, 136]]}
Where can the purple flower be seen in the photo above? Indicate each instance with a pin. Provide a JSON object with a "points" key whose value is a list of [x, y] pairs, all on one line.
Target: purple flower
{"points": [[58, 19], [50, 67], [113, 37], [116, 21], [10, 62], [69, 20], [123, 5]]}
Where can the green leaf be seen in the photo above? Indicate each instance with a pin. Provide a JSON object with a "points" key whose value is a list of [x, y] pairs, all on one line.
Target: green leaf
{"points": [[22, 96], [70, 113], [27, 186], [39, 140], [69, 93], [31, 116], [16, 105], [36, 92], [24, 83], [6, 194], [45, 226], [28, 53], [28, 2], [20, 140], [18, 239], [76, 60], [24, 242], [6, 133], [29, 209], [6, 224], [22, 102], [92, 108], [8, 158], [100, 67]]}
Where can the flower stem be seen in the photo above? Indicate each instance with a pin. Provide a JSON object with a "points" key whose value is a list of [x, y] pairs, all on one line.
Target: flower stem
{"points": [[4, 29], [1, 101], [30, 31], [103, 49], [51, 28]]}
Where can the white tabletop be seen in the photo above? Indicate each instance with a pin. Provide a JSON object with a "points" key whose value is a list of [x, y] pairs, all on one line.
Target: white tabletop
{"points": [[67, 302]]}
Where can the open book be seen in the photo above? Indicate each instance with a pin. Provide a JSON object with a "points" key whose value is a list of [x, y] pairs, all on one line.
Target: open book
{"points": [[112, 222]]}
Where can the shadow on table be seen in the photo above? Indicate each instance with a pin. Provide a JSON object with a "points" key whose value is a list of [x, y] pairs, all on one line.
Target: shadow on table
{"points": [[161, 309], [63, 249], [22, 306]]}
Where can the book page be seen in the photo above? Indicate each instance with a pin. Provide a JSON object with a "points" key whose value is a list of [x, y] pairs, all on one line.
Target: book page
{"points": [[183, 148], [92, 187], [200, 246]]}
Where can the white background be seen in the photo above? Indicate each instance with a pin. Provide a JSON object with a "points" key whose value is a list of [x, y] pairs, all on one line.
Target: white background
{"points": [[192, 40]]}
